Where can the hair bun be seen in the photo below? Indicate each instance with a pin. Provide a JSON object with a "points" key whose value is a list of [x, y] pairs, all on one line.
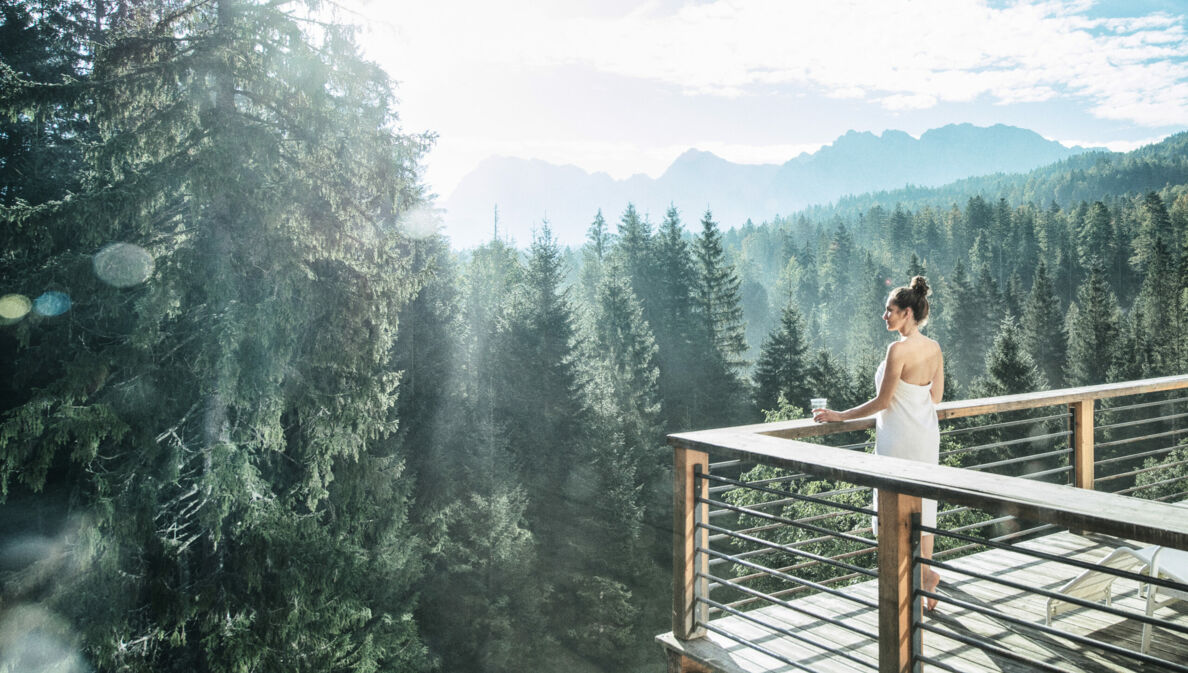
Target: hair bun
{"points": [[919, 285]]}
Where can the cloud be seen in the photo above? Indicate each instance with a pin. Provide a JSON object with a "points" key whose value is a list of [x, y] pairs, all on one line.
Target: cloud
{"points": [[917, 101], [904, 54]]}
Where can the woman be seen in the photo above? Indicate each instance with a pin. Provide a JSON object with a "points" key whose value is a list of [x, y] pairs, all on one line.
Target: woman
{"points": [[910, 382]]}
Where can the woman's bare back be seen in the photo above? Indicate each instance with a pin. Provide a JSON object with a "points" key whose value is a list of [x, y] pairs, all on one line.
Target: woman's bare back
{"points": [[921, 359]]}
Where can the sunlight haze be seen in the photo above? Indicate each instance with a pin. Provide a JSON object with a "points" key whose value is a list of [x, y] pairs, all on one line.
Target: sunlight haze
{"points": [[624, 88]]}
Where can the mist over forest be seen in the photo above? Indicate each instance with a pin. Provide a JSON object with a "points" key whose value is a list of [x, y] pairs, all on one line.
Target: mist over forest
{"points": [[255, 416]]}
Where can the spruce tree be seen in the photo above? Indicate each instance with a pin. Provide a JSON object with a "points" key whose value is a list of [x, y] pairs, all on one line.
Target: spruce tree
{"points": [[829, 378], [1096, 236], [1010, 370], [1154, 224], [1009, 367], [594, 255], [225, 416], [633, 251], [900, 231], [718, 298], [783, 366], [1158, 316], [964, 320], [1092, 323], [680, 345], [625, 346], [1042, 327]]}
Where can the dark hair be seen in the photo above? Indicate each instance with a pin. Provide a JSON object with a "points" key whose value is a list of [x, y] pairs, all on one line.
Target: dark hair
{"points": [[915, 297]]}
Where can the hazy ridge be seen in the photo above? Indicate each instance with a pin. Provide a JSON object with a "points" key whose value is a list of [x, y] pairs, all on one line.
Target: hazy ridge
{"points": [[528, 191]]}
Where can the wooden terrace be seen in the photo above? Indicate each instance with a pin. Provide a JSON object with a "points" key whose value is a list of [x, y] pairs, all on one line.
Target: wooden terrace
{"points": [[790, 605]]}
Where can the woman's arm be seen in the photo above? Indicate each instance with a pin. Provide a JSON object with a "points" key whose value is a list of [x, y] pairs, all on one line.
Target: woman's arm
{"points": [[891, 375], [938, 380]]}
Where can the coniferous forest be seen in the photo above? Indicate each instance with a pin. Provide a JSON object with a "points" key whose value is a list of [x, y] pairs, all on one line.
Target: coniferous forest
{"points": [[256, 416]]}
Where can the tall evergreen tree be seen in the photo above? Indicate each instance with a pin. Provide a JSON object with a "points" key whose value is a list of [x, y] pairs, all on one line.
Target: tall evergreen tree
{"points": [[829, 378], [594, 255], [1158, 316], [225, 418], [680, 346], [1154, 224], [1009, 368], [964, 319], [633, 250], [1096, 236], [624, 343], [1093, 327], [900, 230], [783, 365], [1042, 327], [720, 394], [718, 298]]}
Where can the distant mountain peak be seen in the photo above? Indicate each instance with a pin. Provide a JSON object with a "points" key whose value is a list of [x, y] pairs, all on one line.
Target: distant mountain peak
{"points": [[855, 163]]}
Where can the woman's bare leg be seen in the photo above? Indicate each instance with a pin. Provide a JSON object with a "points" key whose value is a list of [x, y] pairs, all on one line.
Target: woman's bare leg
{"points": [[930, 577]]}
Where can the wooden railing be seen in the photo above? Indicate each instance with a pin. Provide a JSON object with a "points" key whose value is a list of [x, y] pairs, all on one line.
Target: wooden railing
{"points": [[901, 485]]}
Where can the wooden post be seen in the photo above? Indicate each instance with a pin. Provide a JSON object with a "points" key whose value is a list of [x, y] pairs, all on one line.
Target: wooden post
{"points": [[1082, 443], [687, 613], [897, 638], [679, 663]]}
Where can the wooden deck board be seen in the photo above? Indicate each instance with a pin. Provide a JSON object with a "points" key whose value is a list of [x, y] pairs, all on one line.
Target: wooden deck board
{"points": [[733, 657]]}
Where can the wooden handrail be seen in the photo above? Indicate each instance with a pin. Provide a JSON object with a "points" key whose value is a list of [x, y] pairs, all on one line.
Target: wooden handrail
{"points": [[806, 427], [1076, 508]]}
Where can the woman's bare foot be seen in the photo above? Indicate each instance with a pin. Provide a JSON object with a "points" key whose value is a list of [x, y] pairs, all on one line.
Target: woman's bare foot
{"points": [[929, 583]]}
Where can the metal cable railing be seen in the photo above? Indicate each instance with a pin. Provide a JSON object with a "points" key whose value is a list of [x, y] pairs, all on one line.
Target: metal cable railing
{"points": [[1025, 619], [801, 541]]}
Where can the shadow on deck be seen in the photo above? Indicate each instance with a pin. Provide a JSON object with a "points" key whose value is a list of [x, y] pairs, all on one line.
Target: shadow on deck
{"points": [[841, 647]]}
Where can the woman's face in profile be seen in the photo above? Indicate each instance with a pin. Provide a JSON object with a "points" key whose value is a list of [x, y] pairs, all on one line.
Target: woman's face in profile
{"points": [[894, 316]]}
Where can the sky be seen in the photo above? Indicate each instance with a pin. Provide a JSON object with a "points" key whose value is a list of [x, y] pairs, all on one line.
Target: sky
{"points": [[625, 87]]}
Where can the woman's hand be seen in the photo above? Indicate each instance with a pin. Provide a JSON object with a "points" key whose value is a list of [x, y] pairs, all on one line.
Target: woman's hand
{"points": [[826, 416]]}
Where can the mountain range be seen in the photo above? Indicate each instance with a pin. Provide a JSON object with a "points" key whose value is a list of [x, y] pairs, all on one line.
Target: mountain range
{"points": [[529, 191]]}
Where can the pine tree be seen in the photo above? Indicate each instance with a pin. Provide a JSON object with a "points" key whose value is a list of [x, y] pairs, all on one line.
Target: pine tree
{"points": [[1009, 368], [829, 378], [594, 255], [1042, 327], [680, 346], [719, 395], [226, 417], [783, 367], [426, 352], [965, 320], [624, 343], [1157, 315], [540, 394], [717, 296], [869, 330], [1154, 224], [1096, 236], [631, 455], [633, 251], [916, 267], [900, 230], [1092, 323]]}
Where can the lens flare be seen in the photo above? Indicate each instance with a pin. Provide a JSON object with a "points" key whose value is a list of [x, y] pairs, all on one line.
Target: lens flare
{"points": [[34, 639], [51, 304], [123, 264], [420, 222], [14, 306]]}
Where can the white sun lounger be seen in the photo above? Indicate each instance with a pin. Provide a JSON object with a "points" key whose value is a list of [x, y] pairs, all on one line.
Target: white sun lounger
{"points": [[1170, 564], [1094, 585]]}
